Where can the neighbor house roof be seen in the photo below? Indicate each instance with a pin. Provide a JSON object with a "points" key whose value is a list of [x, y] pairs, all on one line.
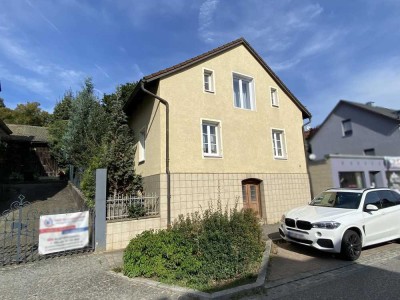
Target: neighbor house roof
{"points": [[28, 133], [4, 127], [383, 111], [212, 53]]}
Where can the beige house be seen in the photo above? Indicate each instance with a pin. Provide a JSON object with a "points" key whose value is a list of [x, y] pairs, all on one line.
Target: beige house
{"points": [[220, 127]]}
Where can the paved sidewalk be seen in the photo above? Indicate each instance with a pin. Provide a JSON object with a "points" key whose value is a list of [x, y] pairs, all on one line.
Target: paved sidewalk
{"points": [[86, 276], [90, 276]]}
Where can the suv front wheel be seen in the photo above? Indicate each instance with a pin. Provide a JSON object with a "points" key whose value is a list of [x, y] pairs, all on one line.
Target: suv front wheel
{"points": [[351, 245]]}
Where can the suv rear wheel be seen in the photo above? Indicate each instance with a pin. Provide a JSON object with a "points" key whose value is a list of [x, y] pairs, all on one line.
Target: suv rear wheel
{"points": [[351, 245]]}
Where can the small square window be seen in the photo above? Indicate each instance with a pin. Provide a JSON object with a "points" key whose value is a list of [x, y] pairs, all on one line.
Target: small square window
{"points": [[347, 128], [274, 97], [278, 141], [370, 151], [208, 77]]}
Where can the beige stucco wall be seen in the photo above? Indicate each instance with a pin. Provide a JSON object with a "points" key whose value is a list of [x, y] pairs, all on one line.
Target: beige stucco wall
{"points": [[246, 135], [320, 176], [147, 116]]}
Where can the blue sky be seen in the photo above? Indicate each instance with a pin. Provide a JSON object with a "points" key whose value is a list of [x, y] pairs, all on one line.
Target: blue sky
{"points": [[323, 50]]}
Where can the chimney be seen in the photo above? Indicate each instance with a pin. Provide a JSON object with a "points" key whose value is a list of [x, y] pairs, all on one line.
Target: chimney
{"points": [[370, 103]]}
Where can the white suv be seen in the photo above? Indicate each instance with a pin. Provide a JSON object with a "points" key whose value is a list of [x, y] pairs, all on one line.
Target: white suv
{"points": [[345, 220]]}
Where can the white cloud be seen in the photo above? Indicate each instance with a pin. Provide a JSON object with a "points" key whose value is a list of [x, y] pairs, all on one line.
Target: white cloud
{"points": [[142, 12], [102, 71], [52, 25], [14, 50], [379, 83], [32, 84], [207, 10]]}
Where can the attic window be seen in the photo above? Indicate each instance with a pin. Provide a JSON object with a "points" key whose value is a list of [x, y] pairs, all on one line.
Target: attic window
{"points": [[208, 77], [274, 97], [346, 127]]}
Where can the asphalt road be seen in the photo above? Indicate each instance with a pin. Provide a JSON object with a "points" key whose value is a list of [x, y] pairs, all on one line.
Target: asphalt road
{"points": [[376, 275], [370, 282]]}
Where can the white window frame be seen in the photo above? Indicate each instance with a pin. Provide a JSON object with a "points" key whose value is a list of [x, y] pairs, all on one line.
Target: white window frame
{"points": [[211, 73], [343, 129], [142, 145], [250, 80], [283, 143], [218, 132], [274, 91]]}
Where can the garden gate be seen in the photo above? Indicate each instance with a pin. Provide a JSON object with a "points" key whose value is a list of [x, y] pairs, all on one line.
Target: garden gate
{"points": [[19, 233]]}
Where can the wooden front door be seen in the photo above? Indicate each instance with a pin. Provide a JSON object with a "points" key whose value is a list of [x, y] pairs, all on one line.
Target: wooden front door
{"points": [[251, 195]]}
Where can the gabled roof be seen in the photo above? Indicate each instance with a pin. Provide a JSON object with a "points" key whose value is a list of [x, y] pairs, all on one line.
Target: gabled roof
{"points": [[212, 53], [5, 127], [28, 133], [383, 111]]}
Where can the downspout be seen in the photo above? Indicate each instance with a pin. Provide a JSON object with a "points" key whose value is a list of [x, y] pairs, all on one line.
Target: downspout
{"points": [[305, 151], [165, 102]]}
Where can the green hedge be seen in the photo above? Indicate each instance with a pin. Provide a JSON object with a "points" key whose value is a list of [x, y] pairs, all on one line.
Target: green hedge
{"points": [[198, 251]]}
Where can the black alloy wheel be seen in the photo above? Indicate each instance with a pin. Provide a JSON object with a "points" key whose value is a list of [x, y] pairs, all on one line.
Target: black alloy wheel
{"points": [[351, 245]]}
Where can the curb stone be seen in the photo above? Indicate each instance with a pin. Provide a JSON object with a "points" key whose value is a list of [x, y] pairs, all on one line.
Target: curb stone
{"points": [[224, 294]]}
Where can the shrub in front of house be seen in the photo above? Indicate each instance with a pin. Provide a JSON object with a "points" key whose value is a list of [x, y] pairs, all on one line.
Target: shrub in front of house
{"points": [[199, 251]]}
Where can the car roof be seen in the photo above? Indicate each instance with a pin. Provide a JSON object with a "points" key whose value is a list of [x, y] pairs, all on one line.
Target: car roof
{"points": [[356, 190]]}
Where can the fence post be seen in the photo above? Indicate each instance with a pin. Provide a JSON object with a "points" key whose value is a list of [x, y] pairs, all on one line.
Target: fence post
{"points": [[100, 205]]}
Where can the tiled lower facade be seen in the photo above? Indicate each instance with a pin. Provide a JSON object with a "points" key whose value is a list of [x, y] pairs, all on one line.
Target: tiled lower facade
{"points": [[191, 192]]}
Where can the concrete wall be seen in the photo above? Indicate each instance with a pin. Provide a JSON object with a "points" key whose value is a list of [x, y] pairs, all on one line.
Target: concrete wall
{"points": [[369, 131], [321, 176], [120, 233]]}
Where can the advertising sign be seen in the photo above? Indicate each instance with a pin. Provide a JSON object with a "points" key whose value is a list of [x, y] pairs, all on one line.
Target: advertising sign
{"points": [[63, 232], [393, 162]]}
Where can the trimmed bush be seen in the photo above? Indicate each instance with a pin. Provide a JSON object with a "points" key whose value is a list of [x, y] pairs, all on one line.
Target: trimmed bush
{"points": [[198, 251]]}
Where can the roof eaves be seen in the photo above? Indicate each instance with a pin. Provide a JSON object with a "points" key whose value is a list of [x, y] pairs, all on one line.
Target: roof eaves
{"points": [[5, 127], [371, 109], [132, 96], [241, 41], [193, 60], [306, 113]]}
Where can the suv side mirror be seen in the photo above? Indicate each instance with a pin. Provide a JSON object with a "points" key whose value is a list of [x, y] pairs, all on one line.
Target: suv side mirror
{"points": [[371, 207]]}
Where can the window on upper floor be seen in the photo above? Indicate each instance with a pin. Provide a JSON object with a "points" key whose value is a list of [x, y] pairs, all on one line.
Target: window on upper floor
{"points": [[211, 134], [370, 151], [142, 145], [243, 90], [347, 128], [208, 77], [278, 141], [274, 97]]}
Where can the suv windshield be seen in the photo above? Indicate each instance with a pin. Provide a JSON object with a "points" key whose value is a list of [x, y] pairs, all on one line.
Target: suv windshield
{"points": [[337, 199]]}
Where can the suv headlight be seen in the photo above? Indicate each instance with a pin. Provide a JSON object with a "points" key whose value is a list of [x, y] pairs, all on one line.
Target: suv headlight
{"points": [[283, 219], [326, 225]]}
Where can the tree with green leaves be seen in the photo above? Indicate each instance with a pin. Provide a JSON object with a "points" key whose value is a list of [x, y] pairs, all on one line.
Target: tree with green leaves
{"points": [[86, 127], [62, 109], [119, 144], [29, 113], [58, 127]]}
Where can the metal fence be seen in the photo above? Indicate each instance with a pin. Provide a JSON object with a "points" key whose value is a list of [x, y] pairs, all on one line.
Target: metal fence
{"points": [[19, 233], [129, 206]]}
